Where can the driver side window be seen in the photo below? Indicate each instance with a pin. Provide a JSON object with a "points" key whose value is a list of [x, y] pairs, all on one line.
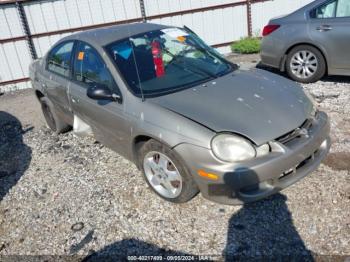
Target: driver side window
{"points": [[89, 68]]}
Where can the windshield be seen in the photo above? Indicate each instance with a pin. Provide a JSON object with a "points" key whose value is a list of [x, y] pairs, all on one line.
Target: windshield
{"points": [[166, 60]]}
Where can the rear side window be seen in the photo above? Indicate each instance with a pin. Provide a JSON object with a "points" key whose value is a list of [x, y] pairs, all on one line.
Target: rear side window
{"points": [[89, 68], [343, 8], [325, 11], [332, 9], [59, 59]]}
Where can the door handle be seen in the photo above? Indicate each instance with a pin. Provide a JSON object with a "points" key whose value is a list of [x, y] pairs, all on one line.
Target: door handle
{"points": [[75, 100], [324, 28]]}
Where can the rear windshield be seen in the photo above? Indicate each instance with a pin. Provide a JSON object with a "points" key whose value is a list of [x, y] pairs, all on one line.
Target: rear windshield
{"points": [[167, 60]]}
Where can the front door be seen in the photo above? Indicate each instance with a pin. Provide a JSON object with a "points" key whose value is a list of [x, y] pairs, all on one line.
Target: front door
{"points": [[106, 118]]}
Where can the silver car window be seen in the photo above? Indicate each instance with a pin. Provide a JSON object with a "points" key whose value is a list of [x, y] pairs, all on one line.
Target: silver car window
{"points": [[325, 11], [343, 8], [89, 68], [59, 59]]}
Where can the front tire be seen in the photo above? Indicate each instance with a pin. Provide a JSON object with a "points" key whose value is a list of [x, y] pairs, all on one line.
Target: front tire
{"points": [[53, 121], [165, 173], [305, 64]]}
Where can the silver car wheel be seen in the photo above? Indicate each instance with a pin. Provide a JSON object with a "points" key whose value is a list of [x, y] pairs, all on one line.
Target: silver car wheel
{"points": [[304, 64], [162, 174]]}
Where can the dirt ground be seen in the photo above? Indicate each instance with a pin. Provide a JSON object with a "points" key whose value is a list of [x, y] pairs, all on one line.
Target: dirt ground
{"points": [[24, 106]]}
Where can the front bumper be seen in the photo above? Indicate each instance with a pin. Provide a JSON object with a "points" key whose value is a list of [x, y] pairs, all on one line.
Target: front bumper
{"points": [[260, 177]]}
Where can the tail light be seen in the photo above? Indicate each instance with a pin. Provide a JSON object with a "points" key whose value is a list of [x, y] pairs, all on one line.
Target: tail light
{"points": [[269, 29]]}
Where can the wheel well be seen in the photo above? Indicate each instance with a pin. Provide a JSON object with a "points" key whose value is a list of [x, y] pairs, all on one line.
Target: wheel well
{"points": [[314, 46], [39, 94], [139, 141]]}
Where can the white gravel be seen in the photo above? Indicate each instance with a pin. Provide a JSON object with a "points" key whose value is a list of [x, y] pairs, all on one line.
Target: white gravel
{"points": [[62, 195]]}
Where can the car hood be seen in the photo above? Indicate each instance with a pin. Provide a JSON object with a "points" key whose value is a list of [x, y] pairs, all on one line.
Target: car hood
{"points": [[256, 104]]}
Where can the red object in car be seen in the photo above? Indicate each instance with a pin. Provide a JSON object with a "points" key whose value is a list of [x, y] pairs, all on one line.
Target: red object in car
{"points": [[269, 29], [158, 59]]}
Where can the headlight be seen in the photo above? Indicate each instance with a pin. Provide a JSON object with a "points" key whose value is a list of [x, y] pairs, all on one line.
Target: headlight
{"points": [[232, 148]]}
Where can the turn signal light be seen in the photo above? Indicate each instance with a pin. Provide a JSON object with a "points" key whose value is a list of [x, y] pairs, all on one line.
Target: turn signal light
{"points": [[210, 176]]}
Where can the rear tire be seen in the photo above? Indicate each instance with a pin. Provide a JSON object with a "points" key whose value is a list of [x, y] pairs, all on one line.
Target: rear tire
{"points": [[54, 122], [184, 186], [305, 64]]}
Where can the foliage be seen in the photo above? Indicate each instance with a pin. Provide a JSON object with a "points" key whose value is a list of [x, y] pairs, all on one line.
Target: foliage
{"points": [[247, 45]]}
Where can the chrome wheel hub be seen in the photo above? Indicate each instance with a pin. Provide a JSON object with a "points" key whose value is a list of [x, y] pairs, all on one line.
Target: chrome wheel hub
{"points": [[304, 64], [162, 174]]}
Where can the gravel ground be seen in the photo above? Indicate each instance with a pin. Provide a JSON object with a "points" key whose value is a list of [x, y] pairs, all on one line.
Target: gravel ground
{"points": [[63, 195]]}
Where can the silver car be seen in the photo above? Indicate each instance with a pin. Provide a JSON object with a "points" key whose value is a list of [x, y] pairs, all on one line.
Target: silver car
{"points": [[188, 118], [311, 42]]}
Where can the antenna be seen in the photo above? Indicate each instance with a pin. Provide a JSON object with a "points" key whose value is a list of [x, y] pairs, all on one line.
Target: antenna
{"points": [[133, 54], [137, 70]]}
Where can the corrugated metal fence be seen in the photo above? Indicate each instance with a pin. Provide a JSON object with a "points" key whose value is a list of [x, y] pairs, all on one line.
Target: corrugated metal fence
{"points": [[28, 27]]}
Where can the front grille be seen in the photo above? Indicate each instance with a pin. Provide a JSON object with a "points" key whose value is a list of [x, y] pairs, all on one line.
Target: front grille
{"points": [[300, 165], [296, 133]]}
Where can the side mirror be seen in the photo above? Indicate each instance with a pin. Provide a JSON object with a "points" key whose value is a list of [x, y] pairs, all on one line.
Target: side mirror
{"points": [[102, 92]]}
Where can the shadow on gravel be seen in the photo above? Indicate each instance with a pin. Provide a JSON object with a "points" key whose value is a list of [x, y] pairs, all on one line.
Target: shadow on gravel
{"points": [[265, 229], [119, 251], [337, 79], [15, 156]]}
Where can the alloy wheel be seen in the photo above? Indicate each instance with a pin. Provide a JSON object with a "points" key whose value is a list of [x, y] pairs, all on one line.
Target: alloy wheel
{"points": [[162, 174], [304, 64]]}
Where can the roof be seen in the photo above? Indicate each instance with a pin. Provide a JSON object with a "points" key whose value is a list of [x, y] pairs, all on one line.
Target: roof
{"points": [[106, 35]]}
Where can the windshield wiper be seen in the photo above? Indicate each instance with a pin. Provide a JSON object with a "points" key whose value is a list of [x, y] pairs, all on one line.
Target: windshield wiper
{"points": [[198, 69], [201, 71]]}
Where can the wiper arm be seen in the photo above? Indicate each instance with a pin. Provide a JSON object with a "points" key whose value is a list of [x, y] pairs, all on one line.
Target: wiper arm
{"points": [[200, 47], [210, 74], [198, 70]]}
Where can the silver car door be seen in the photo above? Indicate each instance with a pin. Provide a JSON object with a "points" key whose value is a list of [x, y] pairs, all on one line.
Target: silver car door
{"points": [[329, 27], [106, 118]]}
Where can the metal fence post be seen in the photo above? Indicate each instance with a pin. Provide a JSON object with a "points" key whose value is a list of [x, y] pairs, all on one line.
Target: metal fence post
{"points": [[143, 11], [249, 18], [26, 30]]}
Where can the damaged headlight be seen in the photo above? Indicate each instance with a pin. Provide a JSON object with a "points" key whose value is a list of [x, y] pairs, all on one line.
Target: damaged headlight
{"points": [[232, 148]]}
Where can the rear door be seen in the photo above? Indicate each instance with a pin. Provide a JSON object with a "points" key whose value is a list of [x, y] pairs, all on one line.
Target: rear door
{"points": [[106, 118], [330, 28], [57, 78]]}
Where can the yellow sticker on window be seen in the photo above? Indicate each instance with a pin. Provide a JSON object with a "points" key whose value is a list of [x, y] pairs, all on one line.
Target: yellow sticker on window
{"points": [[181, 38], [81, 56]]}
